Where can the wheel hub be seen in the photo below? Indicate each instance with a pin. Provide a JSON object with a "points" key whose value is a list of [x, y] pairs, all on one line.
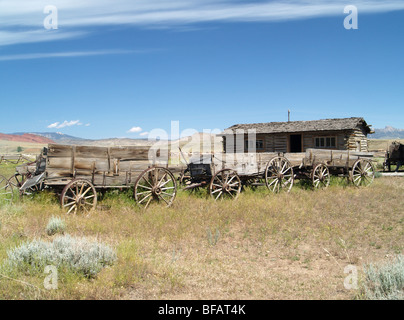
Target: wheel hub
{"points": [[80, 201], [157, 191]]}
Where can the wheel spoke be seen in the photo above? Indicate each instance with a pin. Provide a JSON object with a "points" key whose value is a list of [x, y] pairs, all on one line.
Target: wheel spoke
{"points": [[217, 190], [69, 204], [163, 199], [164, 175], [275, 180], [167, 194], [221, 192], [144, 178], [168, 188], [144, 187], [228, 182], [148, 202], [230, 193], [73, 207], [86, 191], [276, 185], [149, 195], [165, 183]]}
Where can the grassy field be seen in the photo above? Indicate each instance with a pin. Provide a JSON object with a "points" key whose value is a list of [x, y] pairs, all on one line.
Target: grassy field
{"points": [[10, 147], [262, 246], [380, 144]]}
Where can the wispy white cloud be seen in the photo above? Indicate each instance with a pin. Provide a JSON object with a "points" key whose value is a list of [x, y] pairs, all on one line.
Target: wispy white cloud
{"points": [[134, 130], [64, 124], [13, 36], [54, 125], [144, 134], [31, 56], [23, 19]]}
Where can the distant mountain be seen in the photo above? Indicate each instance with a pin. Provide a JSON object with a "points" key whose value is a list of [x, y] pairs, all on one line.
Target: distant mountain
{"points": [[388, 133], [60, 138], [55, 136], [26, 137]]}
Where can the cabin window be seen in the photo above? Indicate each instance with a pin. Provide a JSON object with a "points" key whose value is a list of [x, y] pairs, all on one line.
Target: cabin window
{"points": [[326, 142], [259, 144]]}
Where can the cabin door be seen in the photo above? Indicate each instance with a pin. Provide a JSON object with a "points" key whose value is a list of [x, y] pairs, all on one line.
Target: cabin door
{"points": [[295, 143]]}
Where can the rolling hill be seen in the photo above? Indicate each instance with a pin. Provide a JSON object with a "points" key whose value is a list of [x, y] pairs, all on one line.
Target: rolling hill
{"points": [[25, 137]]}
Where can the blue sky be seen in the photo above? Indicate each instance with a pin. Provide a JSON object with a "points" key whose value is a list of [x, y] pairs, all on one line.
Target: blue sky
{"points": [[112, 66]]}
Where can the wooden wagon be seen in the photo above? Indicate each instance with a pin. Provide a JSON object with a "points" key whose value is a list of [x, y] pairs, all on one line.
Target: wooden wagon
{"points": [[319, 165], [394, 156], [76, 173], [225, 174]]}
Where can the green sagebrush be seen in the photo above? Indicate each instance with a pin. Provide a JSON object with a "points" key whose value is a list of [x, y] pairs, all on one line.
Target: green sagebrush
{"points": [[55, 225], [385, 281], [78, 255]]}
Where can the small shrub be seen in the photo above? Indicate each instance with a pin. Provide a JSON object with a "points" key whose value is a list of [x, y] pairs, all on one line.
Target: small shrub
{"points": [[55, 225], [213, 240], [78, 255], [385, 281]]}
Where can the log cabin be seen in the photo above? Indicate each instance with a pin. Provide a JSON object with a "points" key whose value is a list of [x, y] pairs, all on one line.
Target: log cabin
{"points": [[297, 136]]}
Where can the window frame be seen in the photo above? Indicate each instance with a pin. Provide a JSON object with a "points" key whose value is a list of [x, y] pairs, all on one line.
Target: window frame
{"points": [[322, 142], [257, 141]]}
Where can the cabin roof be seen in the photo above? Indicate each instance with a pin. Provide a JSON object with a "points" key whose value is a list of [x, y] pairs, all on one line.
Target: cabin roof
{"points": [[302, 126]]}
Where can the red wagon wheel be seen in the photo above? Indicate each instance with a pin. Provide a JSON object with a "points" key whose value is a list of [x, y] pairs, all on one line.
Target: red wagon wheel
{"points": [[320, 176], [6, 191], [363, 173], [79, 196], [279, 175], [156, 184], [225, 183]]}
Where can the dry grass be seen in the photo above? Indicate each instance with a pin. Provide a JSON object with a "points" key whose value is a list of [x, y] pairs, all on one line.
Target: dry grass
{"points": [[286, 246]]}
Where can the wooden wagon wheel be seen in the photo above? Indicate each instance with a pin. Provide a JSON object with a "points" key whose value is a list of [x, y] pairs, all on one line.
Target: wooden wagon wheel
{"points": [[363, 173], [155, 184], [225, 183], [320, 176], [279, 175], [6, 191], [17, 181], [79, 196]]}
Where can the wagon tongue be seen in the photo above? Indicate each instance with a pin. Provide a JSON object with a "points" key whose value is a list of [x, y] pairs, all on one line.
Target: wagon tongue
{"points": [[32, 182]]}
